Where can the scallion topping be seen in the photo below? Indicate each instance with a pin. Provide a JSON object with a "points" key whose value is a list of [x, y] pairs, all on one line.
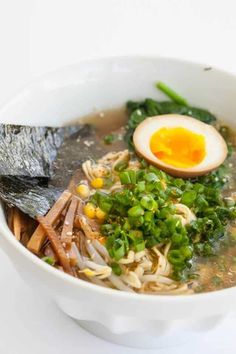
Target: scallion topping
{"points": [[109, 139], [48, 260]]}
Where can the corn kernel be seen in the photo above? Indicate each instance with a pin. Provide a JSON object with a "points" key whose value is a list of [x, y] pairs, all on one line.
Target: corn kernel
{"points": [[88, 272], [97, 183], [100, 214], [83, 191], [90, 210]]}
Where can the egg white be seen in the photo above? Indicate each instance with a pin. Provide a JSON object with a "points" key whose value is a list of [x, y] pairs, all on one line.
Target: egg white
{"points": [[216, 148]]}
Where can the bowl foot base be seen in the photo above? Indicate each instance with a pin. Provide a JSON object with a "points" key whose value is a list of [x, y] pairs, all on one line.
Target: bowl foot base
{"points": [[138, 339]]}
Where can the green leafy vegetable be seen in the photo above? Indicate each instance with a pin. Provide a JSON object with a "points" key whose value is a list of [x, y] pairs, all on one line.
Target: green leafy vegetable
{"points": [[171, 93]]}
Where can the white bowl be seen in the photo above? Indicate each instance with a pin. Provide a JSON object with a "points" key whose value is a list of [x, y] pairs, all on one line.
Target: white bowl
{"points": [[71, 92]]}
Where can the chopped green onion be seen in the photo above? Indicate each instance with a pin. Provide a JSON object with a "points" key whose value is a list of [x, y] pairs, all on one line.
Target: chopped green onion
{"points": [[177, 239], [151, 177], [136, 222], [109, 139], [136, 211], [126, 225], [175, 257], [175, 192], [132, 176], [103, 200], [116, 269], [179, 182], [141, 186], [124, 178], [121, 166], [117, 246], [135, 235], [107, 229], [148, 203], [187, 252], [48, 260], [119, 252], [148, 216], [128, 177], [139, 245], [171, 93], [188, 197]]}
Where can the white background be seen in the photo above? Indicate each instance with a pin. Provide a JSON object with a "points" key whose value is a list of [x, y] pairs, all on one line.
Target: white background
{"points": [[40, 35]]}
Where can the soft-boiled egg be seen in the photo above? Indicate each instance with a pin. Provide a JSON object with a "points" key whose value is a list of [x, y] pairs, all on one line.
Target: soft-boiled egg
{"points": [[180, 145]]}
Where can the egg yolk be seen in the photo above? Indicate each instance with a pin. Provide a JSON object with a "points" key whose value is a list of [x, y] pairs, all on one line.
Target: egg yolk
{"points": [[178, 147]]}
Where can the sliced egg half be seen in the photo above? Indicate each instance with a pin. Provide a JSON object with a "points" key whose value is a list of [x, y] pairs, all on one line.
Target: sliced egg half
{"points": [[180, 145]]}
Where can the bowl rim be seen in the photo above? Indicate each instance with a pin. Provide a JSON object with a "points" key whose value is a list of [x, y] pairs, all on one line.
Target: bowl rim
{"points": [[68, 279]]}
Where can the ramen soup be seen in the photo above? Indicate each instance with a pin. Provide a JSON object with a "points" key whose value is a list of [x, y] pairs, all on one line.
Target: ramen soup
{"points": [[152, 208]]}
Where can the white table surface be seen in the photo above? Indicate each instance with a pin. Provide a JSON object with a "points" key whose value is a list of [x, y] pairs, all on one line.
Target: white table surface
{"points": [[41, 35]]}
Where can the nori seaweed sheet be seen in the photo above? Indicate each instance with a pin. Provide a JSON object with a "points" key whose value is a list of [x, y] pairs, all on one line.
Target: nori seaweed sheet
{"points": [[37, 177], [30, 195], [30, 151], [72, 153]]}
